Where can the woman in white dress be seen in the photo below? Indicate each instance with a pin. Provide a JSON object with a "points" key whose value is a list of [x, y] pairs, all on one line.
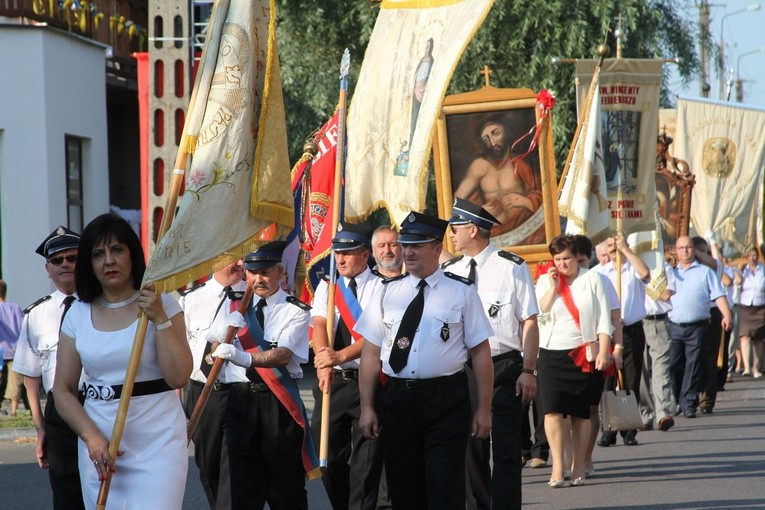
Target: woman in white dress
{"points": [[97, 336]]}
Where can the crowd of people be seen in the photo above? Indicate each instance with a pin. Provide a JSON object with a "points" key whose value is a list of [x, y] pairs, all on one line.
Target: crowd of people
{"points": [[446, 376]]}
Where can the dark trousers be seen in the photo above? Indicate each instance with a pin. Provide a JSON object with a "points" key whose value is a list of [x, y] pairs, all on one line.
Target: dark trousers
{"points": [[710, 352], [210, 449], [633, 338], [427, 426], [501, 488], [685, 362], [63, 470], [534, 445], [264, 451], [353, 485]]}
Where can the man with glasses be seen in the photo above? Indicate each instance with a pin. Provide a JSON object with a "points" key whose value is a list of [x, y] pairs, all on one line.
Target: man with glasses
{"points": [[504, 284], [355, 484], [695, 286], [36, 361], [423, 327]]}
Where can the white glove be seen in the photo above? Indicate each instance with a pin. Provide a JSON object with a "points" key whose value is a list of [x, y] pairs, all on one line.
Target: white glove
{"points": [[235, 319], [234, 355], [710, 236]]}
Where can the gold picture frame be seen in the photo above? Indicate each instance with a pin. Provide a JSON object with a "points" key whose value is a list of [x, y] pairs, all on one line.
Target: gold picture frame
{"points": [[463, 160]]}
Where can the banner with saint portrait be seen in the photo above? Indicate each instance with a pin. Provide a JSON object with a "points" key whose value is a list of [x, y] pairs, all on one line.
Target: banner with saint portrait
{"points": [[629, 117], [722, 143], [412, 53]]}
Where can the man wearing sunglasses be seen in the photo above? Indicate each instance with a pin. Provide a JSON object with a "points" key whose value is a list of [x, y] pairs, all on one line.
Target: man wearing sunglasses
{"points": [[36, 361], [506, 289]]}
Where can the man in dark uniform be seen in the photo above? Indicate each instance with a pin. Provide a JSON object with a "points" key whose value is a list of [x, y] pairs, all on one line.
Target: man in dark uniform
{"points": [[36, 361], [201, 304], [352, 485], [269, 441], [504, 284], [423, 326]]}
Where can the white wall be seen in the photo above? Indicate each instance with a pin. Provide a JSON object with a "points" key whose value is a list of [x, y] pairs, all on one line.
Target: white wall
{"points": [[52, 84]]}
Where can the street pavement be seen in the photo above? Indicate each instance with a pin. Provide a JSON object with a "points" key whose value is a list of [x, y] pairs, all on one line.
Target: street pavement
{"points": [[714, 461]]}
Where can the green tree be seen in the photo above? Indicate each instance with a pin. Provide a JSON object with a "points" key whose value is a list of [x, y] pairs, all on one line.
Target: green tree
{"points": [[517, 40]]}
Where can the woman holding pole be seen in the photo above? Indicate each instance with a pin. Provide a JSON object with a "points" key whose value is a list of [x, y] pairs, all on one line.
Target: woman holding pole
{"points": [[97, 336]]}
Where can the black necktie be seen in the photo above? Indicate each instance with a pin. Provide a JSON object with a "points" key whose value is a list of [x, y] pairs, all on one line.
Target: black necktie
{"points": [[471, 274], [342, 333], [405, 336], [68, 300], [259, 313]]}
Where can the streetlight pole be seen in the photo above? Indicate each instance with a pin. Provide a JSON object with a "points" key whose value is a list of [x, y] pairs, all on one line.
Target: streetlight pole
{"points": [[721, 52], [704, 47], [739, 81]]}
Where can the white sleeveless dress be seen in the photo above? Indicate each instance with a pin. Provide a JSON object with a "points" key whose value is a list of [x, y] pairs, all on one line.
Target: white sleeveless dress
{"points": [[152, 472]]}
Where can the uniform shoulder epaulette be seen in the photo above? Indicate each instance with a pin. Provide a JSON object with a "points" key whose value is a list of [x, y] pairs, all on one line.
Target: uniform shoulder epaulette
{"points": [[191, 289], [451, 261], [511, 256], [394, 278], [466, 281], [295, 301], [38, 302]]}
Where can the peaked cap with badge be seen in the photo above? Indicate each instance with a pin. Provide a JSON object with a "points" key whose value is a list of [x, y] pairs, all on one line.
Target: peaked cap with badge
{"points": [[266, 256], [420, 228], [59, 240], [350, 236], [465, 211]]}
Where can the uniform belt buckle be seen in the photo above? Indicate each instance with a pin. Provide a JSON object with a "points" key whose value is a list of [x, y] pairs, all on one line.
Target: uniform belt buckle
{"points": [[348, 375], [411, 384], [217, 386], [258, 386]]}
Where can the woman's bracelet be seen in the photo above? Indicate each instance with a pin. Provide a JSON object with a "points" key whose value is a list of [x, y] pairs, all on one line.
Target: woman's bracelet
{"points": [[163, 326], [618, 347]]}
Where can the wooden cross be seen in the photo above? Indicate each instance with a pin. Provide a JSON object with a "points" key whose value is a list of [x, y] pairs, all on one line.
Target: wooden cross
{"points": [[486, 72]]}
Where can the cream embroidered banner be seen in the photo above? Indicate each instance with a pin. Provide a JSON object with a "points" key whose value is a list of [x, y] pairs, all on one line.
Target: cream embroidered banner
{"points": [[723, 145], [238, 182], [629, 116], [411, 56], [583, 196]]}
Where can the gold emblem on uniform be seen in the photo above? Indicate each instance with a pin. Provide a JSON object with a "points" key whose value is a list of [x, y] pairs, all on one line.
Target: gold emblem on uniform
{"points": [[718, 157], [411, 218], [60, 231], [208, 359], [403, 342]]}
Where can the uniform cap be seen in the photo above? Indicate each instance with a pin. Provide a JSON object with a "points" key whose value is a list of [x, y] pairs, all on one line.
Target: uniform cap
{"points": [[267, 256], [465, 211], [59, 240], [419, 228], [350, 236]]}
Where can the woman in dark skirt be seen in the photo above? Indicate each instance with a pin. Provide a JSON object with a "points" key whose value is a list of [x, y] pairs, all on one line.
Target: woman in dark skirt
{"points": [[751, 313], [573, 310]]}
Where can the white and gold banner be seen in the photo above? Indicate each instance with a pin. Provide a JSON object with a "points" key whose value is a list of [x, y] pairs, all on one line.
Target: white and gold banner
{"points": [[238, 182], [583, 197], [629, 117], [723, 145], [411, 56]]}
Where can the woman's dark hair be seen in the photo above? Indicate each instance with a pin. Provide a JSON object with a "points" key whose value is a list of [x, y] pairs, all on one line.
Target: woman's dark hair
{"points": [[561, 244], [582, 246], [103, 229]]}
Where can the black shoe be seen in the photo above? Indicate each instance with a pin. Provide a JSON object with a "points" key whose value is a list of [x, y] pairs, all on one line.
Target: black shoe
{"points": [[706, 410], [607, 440], [689, 414], [666, 423], [629, 438]]}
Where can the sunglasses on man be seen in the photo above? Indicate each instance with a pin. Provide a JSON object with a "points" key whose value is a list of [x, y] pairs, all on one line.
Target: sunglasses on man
{"points": [[57, 261]]}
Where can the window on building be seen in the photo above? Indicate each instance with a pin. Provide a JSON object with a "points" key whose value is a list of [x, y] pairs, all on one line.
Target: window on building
{"points": [[74, 183]]}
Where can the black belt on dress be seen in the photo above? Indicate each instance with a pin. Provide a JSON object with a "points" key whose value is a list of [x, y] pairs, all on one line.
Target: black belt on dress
{"points": [[140, 389], [657, 317], [694, 323], [217, 386], [347, 374], [413, 384]]}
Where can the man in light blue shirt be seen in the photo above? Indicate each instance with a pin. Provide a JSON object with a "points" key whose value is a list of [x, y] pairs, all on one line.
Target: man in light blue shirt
{"points": [[695, 286]]}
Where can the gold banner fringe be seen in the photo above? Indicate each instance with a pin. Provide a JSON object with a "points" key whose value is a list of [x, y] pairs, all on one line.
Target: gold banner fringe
{"points": [[189, 144]]}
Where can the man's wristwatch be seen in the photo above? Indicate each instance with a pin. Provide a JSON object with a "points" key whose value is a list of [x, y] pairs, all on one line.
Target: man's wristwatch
{"points": [[529, 371]]}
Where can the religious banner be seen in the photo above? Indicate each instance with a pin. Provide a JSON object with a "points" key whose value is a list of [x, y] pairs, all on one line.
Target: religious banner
{"points": [[629, 118], [316, 199], [238, 182], [583, 195], [722, 143], [411, 56]]}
